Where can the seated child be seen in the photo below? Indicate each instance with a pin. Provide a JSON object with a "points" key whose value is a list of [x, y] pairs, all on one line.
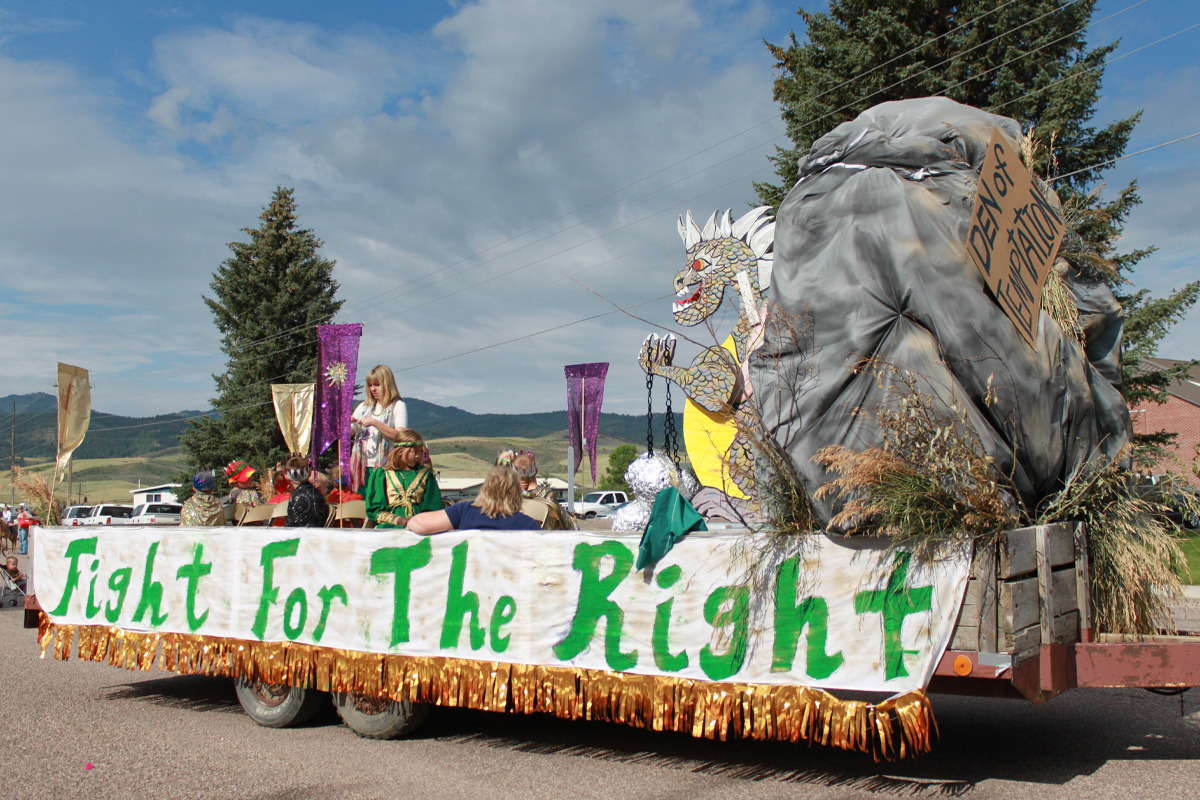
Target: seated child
{"points": [[202, 509], [283, 490], [241, 477], [405, 486], [306, 507], [342, 493], [15, 573]]}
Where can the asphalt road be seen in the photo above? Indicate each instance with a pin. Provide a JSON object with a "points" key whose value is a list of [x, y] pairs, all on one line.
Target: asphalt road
{"points": [[158, 735]]}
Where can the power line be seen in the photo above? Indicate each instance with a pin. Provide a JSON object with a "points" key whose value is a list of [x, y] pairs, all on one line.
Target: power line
{"points": [[859, 76], [1111, 161], [595, 238]]}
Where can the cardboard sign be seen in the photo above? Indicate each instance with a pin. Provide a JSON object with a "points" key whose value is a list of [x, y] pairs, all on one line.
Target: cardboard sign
{"points": [[1015, 234]]}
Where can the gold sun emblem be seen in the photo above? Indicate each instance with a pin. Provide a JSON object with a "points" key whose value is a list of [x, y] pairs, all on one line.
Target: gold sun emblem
{"points": [[336, 374]]}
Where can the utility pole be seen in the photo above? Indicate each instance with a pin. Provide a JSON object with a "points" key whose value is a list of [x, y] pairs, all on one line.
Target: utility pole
{"points": [[12, 459]]}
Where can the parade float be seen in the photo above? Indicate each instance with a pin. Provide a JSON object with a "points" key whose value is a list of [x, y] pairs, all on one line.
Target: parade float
{"points": [[906, 439]]}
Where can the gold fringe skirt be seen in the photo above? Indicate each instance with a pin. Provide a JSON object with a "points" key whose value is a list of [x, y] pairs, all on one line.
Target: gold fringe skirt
{"points": [[896, 728]]}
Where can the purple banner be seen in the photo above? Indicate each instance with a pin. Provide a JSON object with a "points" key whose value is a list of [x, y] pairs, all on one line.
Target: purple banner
{"points": [[585, 393], [337, 365]]}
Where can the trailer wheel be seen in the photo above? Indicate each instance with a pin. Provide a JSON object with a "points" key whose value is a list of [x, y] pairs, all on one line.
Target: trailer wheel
{"points": [[379, 717], [277, 705]]}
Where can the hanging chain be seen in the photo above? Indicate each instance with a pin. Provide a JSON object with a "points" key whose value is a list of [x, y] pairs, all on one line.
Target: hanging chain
{"points": [[650, 412], [670, 436]]}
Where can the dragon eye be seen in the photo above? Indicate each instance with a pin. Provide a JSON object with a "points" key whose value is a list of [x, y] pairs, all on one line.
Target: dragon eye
{"points": [[698, 265]]}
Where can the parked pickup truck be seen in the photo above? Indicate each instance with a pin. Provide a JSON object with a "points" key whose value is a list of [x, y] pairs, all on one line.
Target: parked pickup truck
{"points": [[595, 503]]}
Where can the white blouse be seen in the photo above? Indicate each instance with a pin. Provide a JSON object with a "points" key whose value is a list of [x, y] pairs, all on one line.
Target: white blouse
{"points": [[374, 451]]}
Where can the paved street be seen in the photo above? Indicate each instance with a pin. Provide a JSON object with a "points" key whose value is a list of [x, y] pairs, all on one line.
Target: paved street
{"points": [[157, 735]]}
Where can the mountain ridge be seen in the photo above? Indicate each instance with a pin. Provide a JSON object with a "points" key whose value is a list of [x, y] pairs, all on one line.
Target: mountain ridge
{"points": [[116, 436]]}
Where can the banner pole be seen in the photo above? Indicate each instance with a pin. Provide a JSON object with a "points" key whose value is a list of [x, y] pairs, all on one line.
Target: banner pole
{"points": [[570, 476], [339, 486], [583, 419]]}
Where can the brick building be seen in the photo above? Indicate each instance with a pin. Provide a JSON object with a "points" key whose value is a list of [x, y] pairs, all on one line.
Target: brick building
{"points": [[1179, 415]]}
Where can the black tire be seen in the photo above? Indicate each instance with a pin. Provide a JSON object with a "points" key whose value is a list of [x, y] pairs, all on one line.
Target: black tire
{"points": [[590, 515], [379, 717], [276, 705]]}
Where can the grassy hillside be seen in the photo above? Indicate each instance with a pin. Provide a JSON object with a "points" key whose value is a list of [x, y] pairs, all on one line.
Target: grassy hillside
{"points": [[104, 480], [113, 436], [467, 456]]}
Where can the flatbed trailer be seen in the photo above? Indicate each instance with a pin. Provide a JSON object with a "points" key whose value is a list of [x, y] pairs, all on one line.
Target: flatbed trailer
{"points": [[1023, 630]]}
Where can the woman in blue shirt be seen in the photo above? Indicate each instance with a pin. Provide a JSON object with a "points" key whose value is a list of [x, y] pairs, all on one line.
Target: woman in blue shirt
{"points": [[498, 507]]}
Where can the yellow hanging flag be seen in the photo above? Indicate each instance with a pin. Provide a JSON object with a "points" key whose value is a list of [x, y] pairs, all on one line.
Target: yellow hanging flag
{"points": [[74, 413], [294, 410]]}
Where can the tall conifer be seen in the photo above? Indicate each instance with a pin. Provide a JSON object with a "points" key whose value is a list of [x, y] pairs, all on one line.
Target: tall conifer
{"points": [[1025, 59], [268, 298]]}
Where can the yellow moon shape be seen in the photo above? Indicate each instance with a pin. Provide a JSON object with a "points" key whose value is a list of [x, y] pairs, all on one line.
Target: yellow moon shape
{"points": [[707, 437]]}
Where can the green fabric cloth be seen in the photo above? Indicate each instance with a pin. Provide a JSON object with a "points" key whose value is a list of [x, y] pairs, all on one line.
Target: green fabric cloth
{"points": [[381, 501], [671, 519]]}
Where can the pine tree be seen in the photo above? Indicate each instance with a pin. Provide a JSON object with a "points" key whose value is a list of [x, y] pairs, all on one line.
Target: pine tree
{"points": [[268, 298], [1027, 60]]}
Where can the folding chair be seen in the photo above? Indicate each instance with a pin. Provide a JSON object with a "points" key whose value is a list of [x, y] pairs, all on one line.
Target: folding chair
{"points": [[259, 515], [280, 511], [353, 512]]}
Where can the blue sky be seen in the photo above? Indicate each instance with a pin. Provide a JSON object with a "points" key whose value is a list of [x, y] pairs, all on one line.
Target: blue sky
{"points": [[424, 140]]}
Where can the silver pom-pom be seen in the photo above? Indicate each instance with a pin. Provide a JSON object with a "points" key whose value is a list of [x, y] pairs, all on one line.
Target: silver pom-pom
{"points": [[647, 475]]}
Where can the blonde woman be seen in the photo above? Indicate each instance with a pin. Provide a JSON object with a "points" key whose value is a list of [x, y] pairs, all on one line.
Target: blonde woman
{"points": [[375, 424], [498, 507]]}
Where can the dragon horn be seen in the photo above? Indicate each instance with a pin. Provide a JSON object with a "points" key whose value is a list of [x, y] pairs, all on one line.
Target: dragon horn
{"points": [[725, 227], [747, 222], [710, 227], [692, 237]]}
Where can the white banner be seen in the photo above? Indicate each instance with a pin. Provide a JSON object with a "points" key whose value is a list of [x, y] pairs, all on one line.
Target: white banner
{"points": [[834, 614]]}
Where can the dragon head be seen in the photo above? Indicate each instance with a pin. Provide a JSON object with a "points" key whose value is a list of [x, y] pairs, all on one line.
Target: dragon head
{"points": [[715, 256]]}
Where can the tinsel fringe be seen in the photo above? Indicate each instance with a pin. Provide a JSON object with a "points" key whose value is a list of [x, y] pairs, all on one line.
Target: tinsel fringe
{"points": [[895, 728]]}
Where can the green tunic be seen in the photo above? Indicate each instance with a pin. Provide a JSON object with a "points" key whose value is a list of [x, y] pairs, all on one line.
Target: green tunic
{"points": [[395, 495]]}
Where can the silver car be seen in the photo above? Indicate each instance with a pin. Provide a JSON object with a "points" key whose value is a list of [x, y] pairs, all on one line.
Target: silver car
{"points": [[155, 514]]}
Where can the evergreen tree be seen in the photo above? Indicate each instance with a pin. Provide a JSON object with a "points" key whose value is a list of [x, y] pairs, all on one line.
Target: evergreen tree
{"points": [[1027, 60], [618, 461], [268, 298]]}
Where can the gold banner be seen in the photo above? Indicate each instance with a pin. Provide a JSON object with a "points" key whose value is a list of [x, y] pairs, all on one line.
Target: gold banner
{"points": [[74, 413], [896, 728], [294, 410]]}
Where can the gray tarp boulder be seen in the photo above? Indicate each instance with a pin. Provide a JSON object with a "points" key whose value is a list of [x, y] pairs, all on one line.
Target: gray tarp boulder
{"points": [[871, 262]]}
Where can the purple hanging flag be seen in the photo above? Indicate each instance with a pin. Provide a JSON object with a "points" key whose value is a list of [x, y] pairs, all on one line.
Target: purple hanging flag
{"points": [[337, 365], [585, 393]]}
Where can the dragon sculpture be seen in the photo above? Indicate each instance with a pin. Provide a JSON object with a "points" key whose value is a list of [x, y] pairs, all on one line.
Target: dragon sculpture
{"points": [[723, 254]]}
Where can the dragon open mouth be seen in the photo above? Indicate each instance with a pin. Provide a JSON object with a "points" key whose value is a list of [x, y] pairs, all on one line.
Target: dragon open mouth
{"points": [[682, 304]]}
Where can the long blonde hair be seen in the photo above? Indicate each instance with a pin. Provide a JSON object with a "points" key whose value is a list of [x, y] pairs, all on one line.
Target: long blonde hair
{"points": [[406, 457], [500, 495], [382, 375]]}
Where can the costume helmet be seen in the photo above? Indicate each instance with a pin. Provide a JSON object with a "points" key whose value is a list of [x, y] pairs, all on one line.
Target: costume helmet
{"points": [[238, 471], [204, 481]]}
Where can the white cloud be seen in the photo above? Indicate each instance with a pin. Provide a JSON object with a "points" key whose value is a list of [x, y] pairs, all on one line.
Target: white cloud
{"points": [[408, 155]]}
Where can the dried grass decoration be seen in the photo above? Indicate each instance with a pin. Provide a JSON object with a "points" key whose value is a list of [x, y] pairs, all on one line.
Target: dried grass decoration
{"points": [[1135, 553], [39, 493], [931, 484]]}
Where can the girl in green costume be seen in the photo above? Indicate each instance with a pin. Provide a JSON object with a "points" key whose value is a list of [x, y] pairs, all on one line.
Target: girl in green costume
{"points": [[405, 486]]}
